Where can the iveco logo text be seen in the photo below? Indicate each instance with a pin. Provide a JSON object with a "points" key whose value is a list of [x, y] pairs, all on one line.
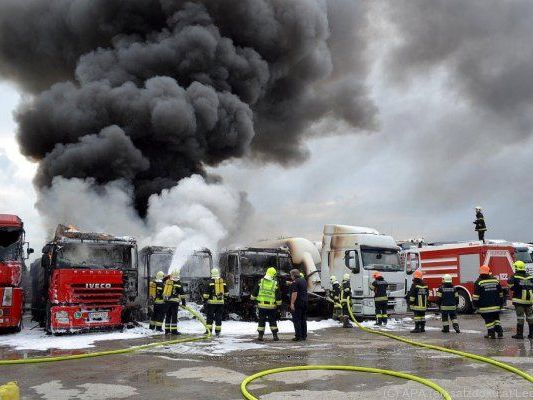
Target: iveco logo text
{"points": [[98, 285]]}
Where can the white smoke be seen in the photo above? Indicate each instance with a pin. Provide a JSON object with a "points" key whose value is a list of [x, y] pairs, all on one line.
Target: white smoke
{"points": [[190, 216]]}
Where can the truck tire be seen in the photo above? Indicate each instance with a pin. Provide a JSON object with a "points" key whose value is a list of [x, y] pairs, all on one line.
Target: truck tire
{"points": [[38, 300], [465, 305]]}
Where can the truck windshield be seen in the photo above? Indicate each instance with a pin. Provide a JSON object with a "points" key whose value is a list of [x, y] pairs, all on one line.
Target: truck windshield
{"points": [[381, 259], [160, 262], [256, 263], [10, 245], [198, 265], [94, 256], [522, 254]]}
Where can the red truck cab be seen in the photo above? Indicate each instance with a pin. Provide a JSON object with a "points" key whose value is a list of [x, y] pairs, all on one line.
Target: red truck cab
{"points": [[85, 281], [12, 241]]}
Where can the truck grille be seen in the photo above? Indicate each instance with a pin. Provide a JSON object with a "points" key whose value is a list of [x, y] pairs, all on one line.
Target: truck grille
{"points": [[392, 287], [83, 294]]}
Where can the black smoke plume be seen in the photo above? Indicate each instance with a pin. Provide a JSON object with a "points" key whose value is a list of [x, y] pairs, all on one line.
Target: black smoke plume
{"points": [[151, 91]]}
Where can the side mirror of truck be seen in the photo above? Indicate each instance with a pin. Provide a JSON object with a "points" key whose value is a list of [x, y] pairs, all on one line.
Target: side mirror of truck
{"points": [[29, 250], [351, 261]]}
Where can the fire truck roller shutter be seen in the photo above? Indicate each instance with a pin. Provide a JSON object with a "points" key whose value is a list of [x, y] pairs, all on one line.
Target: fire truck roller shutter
{"points": [[469, 267]]}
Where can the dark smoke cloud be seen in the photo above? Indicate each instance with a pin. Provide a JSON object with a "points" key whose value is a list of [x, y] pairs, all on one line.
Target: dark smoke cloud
{"points": [[483, 45], [187, 83]]}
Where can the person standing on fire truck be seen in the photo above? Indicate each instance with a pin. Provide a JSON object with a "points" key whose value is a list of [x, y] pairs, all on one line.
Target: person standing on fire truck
{"points": [[418, 301], [346, 300], [214, 298], [447, 300], [156, 296], [488, 299], [173, 295], [267, 293], [480, 226], [522, 287], [379, 286]]}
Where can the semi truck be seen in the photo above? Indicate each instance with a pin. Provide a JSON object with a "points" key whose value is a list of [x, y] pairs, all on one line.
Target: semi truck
{"points": [[462, 261], [360, 251], [13, 252], [85, 281]]}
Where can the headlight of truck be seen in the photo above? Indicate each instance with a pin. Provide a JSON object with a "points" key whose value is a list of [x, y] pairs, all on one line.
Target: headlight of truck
{"points": [[62, 317]]}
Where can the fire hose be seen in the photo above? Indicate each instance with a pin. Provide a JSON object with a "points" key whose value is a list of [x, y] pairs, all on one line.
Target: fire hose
{"points": [[445, 395], [35, 360]]}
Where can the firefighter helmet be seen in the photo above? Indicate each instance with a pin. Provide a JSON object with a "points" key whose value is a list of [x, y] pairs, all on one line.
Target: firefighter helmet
{"points": [[519, 265], [418, 274], [447, 278], [333, 279], [215, 273], [484, 270], [175, 274], [159, 275], [271, 271], [376, 275], [346, 277], [478, 208]]}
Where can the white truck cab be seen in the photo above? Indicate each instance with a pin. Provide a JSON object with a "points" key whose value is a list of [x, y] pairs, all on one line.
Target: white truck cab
{"points": [[360, 251]]}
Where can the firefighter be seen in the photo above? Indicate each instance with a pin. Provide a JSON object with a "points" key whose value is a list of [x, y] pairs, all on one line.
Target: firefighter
{"points": [[488, 299], [346, 300], [335, 297], [522, 287], [173, 295], [379, 286], [480, 226], [156, 296], [418, 301], [447, 300], [214, 297], [267, 293]]}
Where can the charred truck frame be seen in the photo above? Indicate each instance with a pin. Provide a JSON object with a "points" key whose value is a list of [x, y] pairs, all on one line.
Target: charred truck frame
{"points": [[85, 281], [12, 267]]}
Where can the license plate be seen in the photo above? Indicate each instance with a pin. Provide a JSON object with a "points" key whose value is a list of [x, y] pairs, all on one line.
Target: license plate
{"points": [[98, 317]]}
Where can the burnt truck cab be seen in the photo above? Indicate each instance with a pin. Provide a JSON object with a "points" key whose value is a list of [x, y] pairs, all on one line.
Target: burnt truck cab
{"points": [[12, 268], [85, 281]]}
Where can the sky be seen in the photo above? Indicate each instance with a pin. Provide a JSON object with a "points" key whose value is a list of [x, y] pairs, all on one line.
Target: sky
{"points": [[453, 132]]}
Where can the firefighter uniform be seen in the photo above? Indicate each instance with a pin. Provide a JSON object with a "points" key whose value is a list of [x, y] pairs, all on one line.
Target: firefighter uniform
{"points": [[379, 286], [173, 295], [418, 302], [214, 296], [156, 289], [488, 299], [447, 300], [335, 297], [346, 300], [480, 225], [522, 291], [268, 296]]}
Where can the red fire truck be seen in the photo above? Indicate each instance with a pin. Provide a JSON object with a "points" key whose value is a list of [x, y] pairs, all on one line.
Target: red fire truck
{"points": [[462, 262], [12, 241], [84, 281]]}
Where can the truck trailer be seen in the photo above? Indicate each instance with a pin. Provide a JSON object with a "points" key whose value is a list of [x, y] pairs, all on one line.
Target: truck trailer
{"points": [[85, 281], [12, 268]]}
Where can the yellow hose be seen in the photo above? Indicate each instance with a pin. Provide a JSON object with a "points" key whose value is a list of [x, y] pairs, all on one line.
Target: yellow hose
{"points": [[247, 395], [132, 349]]}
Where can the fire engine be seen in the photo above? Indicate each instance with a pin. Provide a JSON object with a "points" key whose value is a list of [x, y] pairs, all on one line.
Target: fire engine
{"points": [[12, 257], [462, 262], [85, 281]]}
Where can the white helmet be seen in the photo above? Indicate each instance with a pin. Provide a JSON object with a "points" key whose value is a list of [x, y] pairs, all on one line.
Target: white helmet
{"points": [[447, 278], [175, 274], [159, 275], [346, 277], [478, 208], [215, 273], [333, 279]]}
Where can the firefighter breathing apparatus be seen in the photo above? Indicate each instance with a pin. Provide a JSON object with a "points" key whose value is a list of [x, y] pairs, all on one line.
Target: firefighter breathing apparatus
{"points": [[36, 360], [427, 382]]}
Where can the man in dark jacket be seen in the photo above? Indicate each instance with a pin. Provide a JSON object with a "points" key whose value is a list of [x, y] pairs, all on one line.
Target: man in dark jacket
{"points": [[379, 287], [522, 288], [418, 301], [447, 300], [480, 225], [346, 300], [488, 299], [335, 297], [299, 305], [174, 295], [214, 297]]}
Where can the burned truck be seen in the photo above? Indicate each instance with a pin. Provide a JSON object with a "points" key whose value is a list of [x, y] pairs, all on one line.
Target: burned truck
{"points": [[85, 281]]}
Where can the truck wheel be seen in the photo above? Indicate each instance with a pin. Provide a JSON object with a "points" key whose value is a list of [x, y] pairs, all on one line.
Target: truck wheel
{"points": [[465, 305]]}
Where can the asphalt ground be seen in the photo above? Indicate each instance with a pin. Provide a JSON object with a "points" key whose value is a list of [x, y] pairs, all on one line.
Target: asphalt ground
{"points": [[214, 369]]}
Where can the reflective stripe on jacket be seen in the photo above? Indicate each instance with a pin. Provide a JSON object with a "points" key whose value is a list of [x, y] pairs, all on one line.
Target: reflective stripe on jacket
{"points": [[447, 297], [216, 292], [267, 294], [488, 294], [346, 292], [418, 295], [379, 286], [522, 288], [173, 291]]}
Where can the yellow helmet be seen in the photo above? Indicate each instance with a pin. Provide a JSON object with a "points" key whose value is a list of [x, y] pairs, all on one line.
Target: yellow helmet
{"points": [[519, 265], [215, 273], [159, 275], [175, 274], [271, 271], [346, 277]]}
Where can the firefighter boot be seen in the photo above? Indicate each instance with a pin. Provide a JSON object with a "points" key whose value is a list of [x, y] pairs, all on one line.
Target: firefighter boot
{"points": [[519, 332], [276, 337], [456, 327], [422, 326], [530, 336], [378, 321], [490, 334], [346, 323], [384, 320], [417, 328], [499, 331], [446, 329], [260, 336]]}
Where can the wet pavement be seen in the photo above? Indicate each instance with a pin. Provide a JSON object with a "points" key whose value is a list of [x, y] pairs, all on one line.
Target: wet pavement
{"points": [[214, 369]]}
